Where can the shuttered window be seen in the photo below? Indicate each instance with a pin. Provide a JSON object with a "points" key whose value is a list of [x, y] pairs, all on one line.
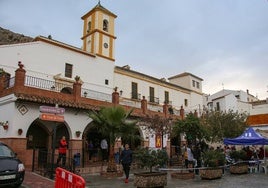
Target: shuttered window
{"points": [[68, 70]]}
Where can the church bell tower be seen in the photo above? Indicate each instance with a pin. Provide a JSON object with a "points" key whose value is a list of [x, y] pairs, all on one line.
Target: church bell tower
{"points": [[98, 32]]}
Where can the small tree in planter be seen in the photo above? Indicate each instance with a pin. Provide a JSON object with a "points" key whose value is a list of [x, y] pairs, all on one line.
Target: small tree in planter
{"points": [[151, 158], [213, 160], [238, 155], [241, 165]]}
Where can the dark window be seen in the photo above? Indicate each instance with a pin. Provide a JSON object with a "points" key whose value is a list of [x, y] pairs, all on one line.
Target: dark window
{"points": [[134, 93], [185, 102], [89, 27], [193, 82], [197, 85], [218, 106], [151, 94], [166, 97], [68, 70], [105, 25], [106, 82]]}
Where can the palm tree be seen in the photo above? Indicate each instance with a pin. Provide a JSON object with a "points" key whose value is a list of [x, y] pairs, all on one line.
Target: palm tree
{"points": [[112, 123]]}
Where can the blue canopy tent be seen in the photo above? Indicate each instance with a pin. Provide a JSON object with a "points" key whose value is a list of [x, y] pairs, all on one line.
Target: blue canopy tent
{"points": [[249, 137]]}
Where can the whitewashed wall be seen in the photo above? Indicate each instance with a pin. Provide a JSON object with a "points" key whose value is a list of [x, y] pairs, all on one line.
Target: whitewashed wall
{"points": [[45, 61]]}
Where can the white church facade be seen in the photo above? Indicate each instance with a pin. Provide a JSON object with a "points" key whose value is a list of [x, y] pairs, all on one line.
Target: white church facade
{"points": [[47, 72]]}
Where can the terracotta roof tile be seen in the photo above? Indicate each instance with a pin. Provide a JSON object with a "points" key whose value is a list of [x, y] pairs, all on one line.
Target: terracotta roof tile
{"points": [[257, 120]]}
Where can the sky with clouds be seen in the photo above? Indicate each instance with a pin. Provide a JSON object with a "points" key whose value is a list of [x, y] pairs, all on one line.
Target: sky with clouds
{"points": [[224, 42]]}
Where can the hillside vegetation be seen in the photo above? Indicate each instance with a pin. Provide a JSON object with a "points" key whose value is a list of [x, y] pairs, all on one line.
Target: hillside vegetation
{"points": [[9, 37]]}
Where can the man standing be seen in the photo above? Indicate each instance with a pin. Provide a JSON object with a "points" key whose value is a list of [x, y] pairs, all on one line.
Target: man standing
{"points": [[62, 151], [126, 160], [104, 149]]}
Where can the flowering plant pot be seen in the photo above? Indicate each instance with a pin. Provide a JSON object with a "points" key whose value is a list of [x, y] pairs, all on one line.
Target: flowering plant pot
{"points": [[78, 133], [5, 127], [20, 131]]}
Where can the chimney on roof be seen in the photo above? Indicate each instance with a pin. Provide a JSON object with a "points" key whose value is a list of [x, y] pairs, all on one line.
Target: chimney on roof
{"points": [[247, 91]]}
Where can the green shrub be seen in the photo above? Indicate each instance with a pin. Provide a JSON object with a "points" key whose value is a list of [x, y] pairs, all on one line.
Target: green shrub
{"points": [[150, 158], [238, 155], [213, 158]]}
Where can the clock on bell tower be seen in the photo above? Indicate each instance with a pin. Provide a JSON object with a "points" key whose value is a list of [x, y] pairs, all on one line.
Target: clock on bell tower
{"points": [[98, 32]]}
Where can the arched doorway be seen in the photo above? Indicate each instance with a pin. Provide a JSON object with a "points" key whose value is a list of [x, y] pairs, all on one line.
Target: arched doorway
{"points": [[40, 139], [91, 147]]}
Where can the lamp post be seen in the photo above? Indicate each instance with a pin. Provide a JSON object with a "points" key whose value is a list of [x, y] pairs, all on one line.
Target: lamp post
{"points": [[53, 149]]}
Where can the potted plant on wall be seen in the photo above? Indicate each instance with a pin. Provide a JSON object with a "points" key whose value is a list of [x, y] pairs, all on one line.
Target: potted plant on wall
{"points": [[240, 165], [147, 158], [213, 161]]}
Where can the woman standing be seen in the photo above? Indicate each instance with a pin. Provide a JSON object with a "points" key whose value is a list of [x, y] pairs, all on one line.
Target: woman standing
{"points": [[126, 160]]}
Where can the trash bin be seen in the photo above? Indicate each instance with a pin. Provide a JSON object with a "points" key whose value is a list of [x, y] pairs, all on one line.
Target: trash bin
{"points": [[77, 159]]}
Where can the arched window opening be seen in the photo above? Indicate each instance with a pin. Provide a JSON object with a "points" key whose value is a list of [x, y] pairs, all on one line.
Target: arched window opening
{"points": [[89, 27], [67, 90], [105, 25]]}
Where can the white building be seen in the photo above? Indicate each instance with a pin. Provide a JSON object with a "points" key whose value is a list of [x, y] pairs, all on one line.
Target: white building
{"points": [[79, 80], [235, 100]]}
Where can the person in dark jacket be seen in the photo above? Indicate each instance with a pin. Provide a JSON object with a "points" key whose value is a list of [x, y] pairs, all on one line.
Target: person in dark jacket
{"points": [[126, 160]]}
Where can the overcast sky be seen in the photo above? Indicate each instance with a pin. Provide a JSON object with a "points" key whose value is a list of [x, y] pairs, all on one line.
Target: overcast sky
{"points": [[224, 42]]}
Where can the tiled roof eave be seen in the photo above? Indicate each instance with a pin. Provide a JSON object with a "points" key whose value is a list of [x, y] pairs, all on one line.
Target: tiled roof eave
{"points": [[49, 100]]}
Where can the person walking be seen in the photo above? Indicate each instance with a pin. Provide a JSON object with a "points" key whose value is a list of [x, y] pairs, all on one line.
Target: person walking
{"points": [[126, 160], [104, 149], [62, 151]]}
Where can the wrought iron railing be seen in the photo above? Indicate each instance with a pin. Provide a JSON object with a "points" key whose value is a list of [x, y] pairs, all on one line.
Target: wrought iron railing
{"points": [[96, 95], [153, 99], [135, 96], [45, 84], [42, 163]]}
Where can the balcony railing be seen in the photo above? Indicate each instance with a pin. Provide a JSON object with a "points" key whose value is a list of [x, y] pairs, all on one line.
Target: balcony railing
{"points": [[96, 95], [153, 99], [133, 101], [46, 84], [136, 96]]}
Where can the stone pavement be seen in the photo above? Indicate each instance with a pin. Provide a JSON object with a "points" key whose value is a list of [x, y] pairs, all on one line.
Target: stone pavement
{"points": [[228, 180]]}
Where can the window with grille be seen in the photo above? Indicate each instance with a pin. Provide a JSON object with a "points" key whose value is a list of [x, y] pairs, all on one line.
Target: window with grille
{"points": [[193, 83], [166, 97], [134, 93], [151, 94]]}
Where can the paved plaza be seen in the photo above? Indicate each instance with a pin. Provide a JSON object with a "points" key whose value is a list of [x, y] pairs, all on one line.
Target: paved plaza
{"points": [[228, 180]]}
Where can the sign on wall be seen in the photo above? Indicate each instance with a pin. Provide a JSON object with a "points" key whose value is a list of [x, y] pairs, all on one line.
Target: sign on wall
{"points": [[50, 113], [158, 141]]}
